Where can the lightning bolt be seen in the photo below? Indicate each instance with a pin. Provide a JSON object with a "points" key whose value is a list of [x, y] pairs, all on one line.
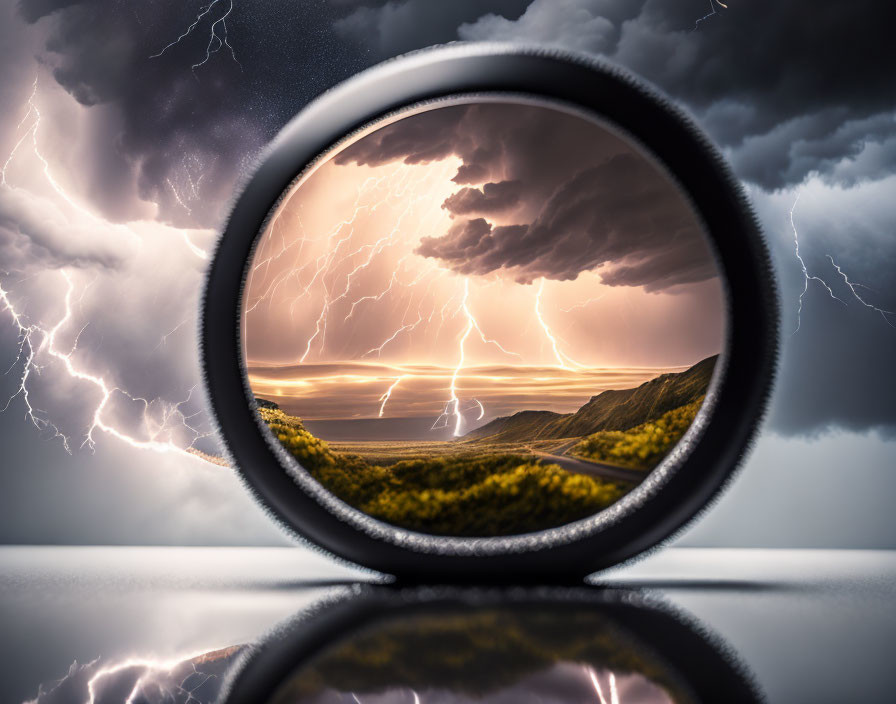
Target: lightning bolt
{"points": [[561, 358], [712, 11], [583, 304], [25, 335], [216, 41], [471, 324], [379, 349], [806, 276], [853, 286], [385, 397], [481, 409], [38, 342]]}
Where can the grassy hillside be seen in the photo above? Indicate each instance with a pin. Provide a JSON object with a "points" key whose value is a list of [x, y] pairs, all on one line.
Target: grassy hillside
{"points": [[610, 410], [643, 446], [464, 495]]}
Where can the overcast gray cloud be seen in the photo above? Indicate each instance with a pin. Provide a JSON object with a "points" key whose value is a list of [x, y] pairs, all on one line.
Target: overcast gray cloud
{"points": [[802, 77]]}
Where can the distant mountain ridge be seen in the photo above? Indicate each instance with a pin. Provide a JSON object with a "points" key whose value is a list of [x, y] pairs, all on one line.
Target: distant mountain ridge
{"points": [[614, 409]]}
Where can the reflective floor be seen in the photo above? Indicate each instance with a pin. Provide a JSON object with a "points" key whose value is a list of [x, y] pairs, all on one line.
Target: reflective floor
{"points": [[182, 624]]}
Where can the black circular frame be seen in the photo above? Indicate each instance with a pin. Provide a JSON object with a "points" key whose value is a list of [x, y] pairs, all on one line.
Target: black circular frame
{"points": [[740, 387]]}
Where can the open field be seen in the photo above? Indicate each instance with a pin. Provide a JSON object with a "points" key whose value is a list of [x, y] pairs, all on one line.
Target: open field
{"points": [[526, 472], [470, 494], [389, 452]]}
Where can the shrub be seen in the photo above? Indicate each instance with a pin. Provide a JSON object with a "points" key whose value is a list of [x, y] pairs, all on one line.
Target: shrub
{"points": [[643, 446], [460, 495]]}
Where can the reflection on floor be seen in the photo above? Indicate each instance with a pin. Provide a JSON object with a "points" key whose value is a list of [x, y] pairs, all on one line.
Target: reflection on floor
{"points": [[145, 625]]}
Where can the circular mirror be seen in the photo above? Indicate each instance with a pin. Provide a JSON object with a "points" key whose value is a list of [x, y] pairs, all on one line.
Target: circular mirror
{"points": [[485, 312]]}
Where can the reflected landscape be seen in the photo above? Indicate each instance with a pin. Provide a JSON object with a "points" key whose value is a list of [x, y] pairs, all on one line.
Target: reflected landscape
{"points": [[386, 645], [812, 625], [430, 645], [482, 317]]}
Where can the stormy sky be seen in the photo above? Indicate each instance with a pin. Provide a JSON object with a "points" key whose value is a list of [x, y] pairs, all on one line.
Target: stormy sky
{"points": [[128, 157], [511, 254], [571, 197]]}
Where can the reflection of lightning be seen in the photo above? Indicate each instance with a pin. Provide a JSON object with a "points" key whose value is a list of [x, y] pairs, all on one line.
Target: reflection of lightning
{"points": [[385, 397], [806, 276], [216, 42], [852, 287], [614, 693], [153, 674], [160, 419], [594, 681], [558, 355], [712, 11]]}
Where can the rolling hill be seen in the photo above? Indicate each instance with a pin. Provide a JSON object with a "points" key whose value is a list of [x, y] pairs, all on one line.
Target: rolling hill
{"points": [[615, 409]]}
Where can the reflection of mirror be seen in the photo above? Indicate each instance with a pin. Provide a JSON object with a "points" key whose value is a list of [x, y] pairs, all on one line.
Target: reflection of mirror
{"points": [[482, 317], [386, 646]]}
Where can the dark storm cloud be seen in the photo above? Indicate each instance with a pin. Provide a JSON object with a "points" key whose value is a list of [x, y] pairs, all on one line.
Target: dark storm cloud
{"points": [[490, 198], [596, 220], [790, 90], [392, 27], [789, 87], [574, 197], [167, 125]]}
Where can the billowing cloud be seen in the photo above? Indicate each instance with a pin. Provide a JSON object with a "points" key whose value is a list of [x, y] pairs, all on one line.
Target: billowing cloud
{"points": [[36, 232], [490, 198], [783, 86], [572, 197], [165, 129], [392, 27]]}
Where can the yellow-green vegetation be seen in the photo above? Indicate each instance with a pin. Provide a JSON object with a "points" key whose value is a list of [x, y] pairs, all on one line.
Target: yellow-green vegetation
{"points": [[485, 495], [643, 446]]}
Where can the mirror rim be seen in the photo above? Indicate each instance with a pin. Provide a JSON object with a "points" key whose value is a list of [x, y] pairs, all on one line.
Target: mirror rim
{"points": [[589, 85]]}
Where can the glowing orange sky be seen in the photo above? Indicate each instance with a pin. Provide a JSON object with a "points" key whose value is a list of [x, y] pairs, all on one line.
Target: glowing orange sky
{"points": [[335, 285]]}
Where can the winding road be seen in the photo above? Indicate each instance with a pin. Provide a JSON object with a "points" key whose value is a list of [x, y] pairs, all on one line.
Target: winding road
{"points": [[582, 466]]}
